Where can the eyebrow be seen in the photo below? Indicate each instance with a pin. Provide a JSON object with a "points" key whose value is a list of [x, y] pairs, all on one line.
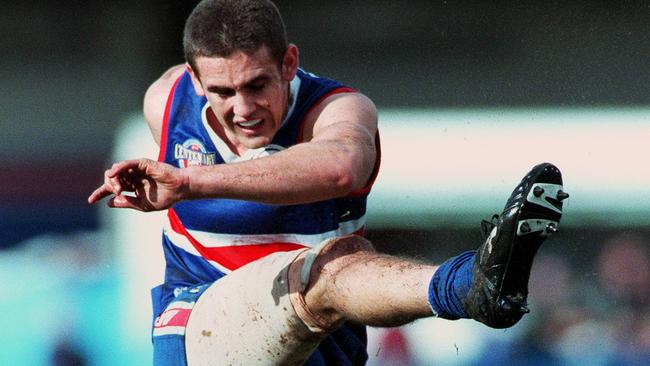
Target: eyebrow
{"points": [[226, 89]]}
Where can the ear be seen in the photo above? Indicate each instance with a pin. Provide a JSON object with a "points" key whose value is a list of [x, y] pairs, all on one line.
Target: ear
{"points": [[290, 62], [198, 88]]}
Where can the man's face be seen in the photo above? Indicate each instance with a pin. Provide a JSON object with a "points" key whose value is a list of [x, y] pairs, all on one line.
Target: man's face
{"points": [[248, 93]]}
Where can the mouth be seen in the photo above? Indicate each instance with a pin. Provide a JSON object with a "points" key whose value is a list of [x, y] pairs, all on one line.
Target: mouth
{"points": [[252, 124]]}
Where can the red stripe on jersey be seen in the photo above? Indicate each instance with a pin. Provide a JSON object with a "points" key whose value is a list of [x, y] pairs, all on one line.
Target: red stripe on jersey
{"points": [[241, 255], [230, 257], [233, 257], [168, 108]]}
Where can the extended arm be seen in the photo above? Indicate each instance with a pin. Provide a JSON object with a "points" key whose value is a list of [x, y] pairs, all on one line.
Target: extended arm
{"points": [[337, 160]]}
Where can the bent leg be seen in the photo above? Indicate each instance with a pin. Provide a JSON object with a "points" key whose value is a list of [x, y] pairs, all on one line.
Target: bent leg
{"points": [[352, 282], [278, 309]]}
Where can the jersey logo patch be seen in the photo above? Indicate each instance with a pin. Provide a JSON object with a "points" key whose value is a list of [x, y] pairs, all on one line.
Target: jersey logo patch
{"points": [[192, 152], [174, 319]]}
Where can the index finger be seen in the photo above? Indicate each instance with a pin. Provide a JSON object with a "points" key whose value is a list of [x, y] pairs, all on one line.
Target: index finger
{"points": [[104, 190]]}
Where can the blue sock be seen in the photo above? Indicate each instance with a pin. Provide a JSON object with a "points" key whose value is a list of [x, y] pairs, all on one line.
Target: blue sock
{"points": [[449, 286]]}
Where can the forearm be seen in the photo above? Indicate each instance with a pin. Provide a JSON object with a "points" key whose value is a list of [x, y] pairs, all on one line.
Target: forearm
{"points": [[304, 173]]}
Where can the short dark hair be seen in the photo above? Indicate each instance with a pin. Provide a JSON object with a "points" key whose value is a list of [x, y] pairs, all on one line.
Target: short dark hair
{"points": [[218, 28]]}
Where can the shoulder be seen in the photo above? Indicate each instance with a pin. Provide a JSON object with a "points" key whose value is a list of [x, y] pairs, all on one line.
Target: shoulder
{"points": [[156, 97]]}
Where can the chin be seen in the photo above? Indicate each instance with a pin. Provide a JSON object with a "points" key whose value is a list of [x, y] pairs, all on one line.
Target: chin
{"points": [[257, 142]]}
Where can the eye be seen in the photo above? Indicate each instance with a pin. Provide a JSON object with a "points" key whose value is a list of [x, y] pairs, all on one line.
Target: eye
{"points": [[222, 92], [255, 87], [225, 94]]}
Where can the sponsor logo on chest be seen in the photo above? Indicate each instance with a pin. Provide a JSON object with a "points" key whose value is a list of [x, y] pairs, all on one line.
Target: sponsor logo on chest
{"points": [[192, 152]]}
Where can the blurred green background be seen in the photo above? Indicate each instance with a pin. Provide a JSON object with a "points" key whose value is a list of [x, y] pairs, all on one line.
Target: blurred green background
{"points": [[470, 96]]}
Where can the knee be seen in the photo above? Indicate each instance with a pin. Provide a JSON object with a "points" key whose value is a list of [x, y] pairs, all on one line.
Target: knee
{"points": [[339, 253], [331, 268], [346, 245], [315, 303]]}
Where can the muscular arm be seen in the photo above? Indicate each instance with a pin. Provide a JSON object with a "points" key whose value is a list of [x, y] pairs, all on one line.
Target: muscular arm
{"points": [[338, 159]]}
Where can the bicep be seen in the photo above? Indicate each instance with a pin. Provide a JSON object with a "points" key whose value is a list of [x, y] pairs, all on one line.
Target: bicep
{"points": [[155, 100]]}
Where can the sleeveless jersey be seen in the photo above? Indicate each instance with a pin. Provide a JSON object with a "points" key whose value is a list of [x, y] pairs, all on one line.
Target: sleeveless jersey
{"points": [[204, 240]]}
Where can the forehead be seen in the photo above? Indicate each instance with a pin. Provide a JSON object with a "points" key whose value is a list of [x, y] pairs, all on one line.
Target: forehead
{"points": [[236, 69]]}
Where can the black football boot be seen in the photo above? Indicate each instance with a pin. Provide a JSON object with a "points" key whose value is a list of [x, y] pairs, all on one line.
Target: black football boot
{"points": [[502, 264]]}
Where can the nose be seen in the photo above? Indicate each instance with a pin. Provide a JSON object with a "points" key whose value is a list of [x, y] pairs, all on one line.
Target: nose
{"points": [[243, 107]]}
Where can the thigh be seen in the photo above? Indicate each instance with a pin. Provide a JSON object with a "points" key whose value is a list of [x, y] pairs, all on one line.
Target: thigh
{"points": [[247, 318]]}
